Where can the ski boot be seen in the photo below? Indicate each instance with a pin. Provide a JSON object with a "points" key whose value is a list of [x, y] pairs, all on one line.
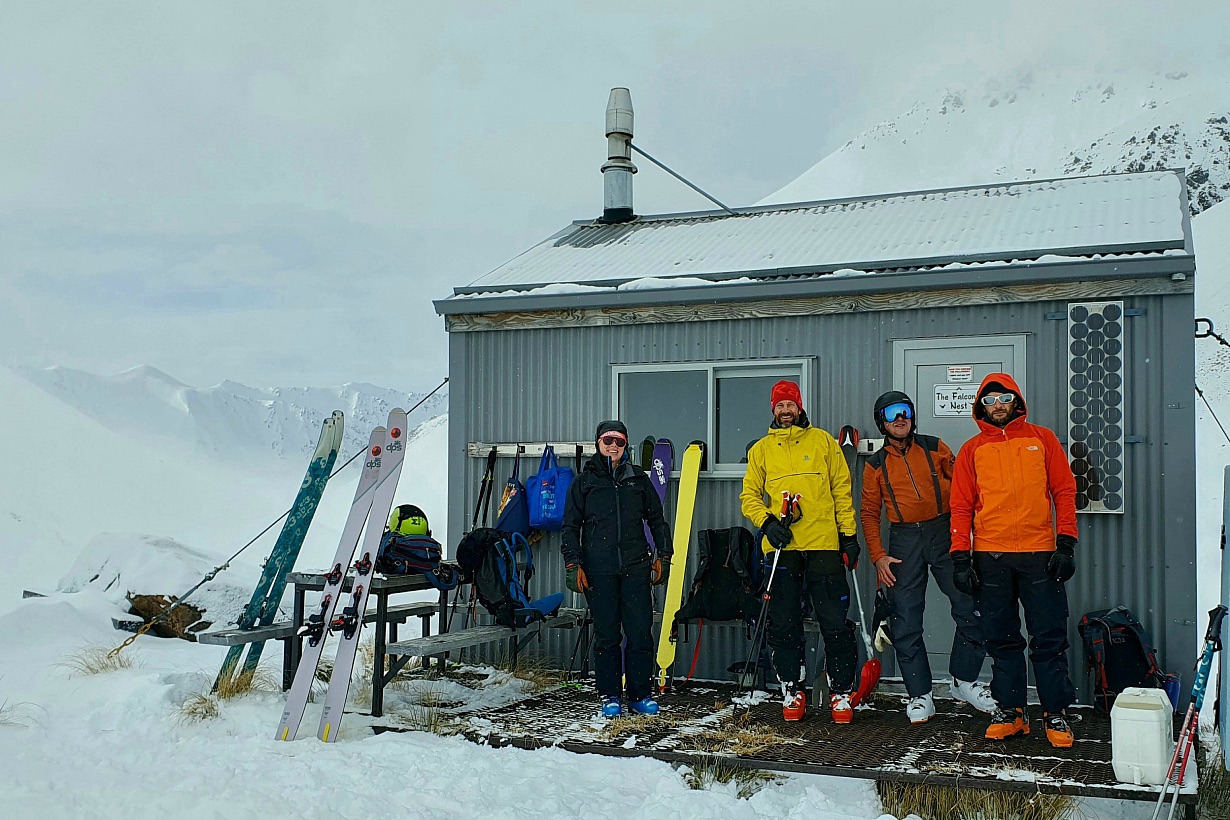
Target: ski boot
{"points": [[920, 709], [794, 702], [644, 706], [1007, 722], [975, 693], [1058, 732], [612, 707], [840, 706]]}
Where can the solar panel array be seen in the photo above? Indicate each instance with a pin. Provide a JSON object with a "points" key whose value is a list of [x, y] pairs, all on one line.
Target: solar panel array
{"points": [[1095, 404]]}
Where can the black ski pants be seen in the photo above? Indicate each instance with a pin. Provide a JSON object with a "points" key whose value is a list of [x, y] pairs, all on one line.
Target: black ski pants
{"points": [[920, 547], [830, 598], [1011, 581], [622, 606]]}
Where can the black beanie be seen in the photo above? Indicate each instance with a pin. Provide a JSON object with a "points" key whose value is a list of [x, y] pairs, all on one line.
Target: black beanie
{"points": [[610, 426]]}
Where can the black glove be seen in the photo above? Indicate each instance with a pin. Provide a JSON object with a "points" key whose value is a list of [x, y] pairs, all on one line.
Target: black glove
{"points": [[777, 532], [660, 571], [963, 576], [1062, 565], [850, 550]]}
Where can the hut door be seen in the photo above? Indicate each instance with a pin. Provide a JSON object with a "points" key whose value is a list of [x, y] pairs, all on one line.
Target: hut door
{"points": [[942, 375]]}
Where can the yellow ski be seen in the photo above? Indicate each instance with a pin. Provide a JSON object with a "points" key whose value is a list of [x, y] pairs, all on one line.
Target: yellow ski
{"points": [[689, 474]]}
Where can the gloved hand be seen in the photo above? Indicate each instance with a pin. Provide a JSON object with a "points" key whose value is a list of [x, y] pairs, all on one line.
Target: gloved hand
{"points": [[963, 576], [777, 532], [660, 571], [1062, 565], [850, 550], [576, 580]]}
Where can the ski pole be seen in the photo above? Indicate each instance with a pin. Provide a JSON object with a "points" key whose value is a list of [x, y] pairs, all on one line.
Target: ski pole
{"points": [[790, 506], [1191, 721]]}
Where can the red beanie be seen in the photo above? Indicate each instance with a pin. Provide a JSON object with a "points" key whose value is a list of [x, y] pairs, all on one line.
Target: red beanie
{"points": [[785, 391]]}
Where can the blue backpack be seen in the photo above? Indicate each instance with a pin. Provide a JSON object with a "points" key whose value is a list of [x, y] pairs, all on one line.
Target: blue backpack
{"points": [[547, 490], [489, 558]]}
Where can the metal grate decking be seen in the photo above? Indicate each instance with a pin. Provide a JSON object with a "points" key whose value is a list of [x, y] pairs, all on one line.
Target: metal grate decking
{"points": [[881, 744]]}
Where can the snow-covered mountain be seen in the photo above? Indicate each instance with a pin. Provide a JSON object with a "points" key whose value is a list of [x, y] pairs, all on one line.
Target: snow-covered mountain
{"points": [[230, 421], [1041, 124]]}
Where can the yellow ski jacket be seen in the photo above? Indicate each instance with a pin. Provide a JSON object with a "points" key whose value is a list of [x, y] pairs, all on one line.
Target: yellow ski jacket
{"points": [[807, 461]]}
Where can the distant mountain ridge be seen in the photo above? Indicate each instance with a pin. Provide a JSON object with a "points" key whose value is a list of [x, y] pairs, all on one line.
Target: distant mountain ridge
{"points": [[230, 421], [1043, 124]]}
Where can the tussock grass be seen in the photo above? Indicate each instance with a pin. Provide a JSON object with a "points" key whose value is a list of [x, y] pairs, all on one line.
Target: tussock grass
{"points": [[198, 707], [428, 714], [96, 660], [1214, 782], [705, 772], [534, 670], [11, 714], [633, 724], [262, 680], [740, 736], [932, 802]]}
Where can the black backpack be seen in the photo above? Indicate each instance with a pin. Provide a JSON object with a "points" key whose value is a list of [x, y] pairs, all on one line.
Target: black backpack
{"points": [[1118, 654], [408, 554], [488, 560], [726, 583]]}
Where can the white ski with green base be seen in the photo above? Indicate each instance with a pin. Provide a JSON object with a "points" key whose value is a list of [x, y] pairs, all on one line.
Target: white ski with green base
{"points": [[685, 504]]}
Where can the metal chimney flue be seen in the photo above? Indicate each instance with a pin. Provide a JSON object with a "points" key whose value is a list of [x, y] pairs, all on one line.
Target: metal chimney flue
{"points": [[618, 170]]}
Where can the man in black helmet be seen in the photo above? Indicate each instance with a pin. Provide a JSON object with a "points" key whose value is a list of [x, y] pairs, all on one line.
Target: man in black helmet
{"points": [[911, 478]]}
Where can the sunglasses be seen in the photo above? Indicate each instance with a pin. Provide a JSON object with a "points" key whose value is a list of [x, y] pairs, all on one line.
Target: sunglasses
{"points": [[1002, 398], [614, 440], [901, 410]]}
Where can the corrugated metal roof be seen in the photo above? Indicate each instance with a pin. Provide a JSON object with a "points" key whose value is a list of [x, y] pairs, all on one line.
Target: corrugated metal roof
{"points": [[1022, 220]]}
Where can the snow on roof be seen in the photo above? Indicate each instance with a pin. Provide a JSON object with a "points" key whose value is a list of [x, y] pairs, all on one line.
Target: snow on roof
{"points": [[1022, 220]]}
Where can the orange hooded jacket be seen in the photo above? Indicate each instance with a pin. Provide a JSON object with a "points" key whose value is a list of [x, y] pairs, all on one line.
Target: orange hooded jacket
{"points": [[1005, 480]]}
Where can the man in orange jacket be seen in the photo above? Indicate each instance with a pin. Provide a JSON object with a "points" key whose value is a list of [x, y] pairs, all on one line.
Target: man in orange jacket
{"points": [[1006, 553], [910, 477]]}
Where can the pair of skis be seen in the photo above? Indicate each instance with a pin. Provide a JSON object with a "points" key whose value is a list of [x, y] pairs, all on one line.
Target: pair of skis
{"points": [[262, 609], [373, 499], [869, 675]]}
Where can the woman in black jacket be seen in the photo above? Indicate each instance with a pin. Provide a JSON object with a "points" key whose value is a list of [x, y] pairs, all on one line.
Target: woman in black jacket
{"points": [[607, 557]]}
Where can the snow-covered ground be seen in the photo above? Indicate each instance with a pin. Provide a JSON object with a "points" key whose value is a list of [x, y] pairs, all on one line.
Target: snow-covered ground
{"points": [[139, 483]]}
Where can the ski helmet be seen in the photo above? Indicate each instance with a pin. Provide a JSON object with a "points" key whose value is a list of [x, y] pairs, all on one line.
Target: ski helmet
{"points": [[888, 400], [408, 519]]}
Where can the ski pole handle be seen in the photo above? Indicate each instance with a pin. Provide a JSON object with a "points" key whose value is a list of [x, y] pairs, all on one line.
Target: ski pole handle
{"points": [[1216, 616]]}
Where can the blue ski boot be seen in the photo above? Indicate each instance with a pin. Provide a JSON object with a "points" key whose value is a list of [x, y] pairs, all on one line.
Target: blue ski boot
{"points": [[611, 707], [644, 706]]}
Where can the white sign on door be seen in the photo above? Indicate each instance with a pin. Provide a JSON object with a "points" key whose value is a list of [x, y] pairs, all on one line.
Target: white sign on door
{"points": [[960, 372], [954, 399]]}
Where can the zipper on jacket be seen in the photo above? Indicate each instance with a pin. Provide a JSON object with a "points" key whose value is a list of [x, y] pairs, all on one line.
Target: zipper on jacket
{"points": [[910, 473], [619, 518]]}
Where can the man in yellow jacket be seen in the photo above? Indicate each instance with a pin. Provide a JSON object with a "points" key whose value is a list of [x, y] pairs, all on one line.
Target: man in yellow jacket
{"points": [[817, 548]]}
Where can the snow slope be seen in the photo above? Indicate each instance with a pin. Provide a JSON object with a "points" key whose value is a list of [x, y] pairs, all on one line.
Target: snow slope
{"points": [[231, 421], [1041, 124]]}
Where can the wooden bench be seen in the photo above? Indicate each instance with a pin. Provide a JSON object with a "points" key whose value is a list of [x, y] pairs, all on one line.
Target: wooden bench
{"points": [[431, 646], [292, 644]]}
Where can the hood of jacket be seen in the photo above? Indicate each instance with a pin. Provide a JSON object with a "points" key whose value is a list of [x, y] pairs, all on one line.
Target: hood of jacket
{"points": [[1008, 385]]}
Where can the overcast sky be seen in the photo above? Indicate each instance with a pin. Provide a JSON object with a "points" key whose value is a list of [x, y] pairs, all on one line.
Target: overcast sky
{"points": [[274, 192]]}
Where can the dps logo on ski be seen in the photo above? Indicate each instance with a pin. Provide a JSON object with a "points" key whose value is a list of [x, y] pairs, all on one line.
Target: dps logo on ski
{"points": [[374, 461], [658, 470], [394, 434]]}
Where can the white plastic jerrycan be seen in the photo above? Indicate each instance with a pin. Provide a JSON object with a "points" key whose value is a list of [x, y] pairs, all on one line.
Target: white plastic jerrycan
{"points": [[1141, 735]]}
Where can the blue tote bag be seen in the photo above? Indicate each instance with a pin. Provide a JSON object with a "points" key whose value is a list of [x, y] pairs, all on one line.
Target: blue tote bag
{"points": [[548, 490]]}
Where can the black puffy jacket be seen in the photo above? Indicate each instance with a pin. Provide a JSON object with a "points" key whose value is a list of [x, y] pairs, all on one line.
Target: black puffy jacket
{"points": [[605, 517]]}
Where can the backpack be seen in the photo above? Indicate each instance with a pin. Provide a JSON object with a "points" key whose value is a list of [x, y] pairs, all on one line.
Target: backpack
{"points": [[547, 491], [1118, 654], [407, 554], [725, 585], [488, 559]]}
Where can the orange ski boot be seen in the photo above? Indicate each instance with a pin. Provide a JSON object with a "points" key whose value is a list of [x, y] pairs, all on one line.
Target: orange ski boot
{"points": [[794, 702], [1007, 722], [843, 711], [1058, 732]]}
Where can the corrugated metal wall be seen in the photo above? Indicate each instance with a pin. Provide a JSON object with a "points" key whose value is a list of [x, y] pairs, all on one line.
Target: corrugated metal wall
{"points": [[555, 384]]}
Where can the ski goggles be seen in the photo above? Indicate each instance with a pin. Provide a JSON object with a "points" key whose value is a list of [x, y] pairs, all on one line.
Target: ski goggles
{"points": [[1002, 398], [614, 440], [900, 410]]}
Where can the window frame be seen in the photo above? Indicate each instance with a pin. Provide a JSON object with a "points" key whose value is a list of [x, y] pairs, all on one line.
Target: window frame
{"points": [[803, 366]]}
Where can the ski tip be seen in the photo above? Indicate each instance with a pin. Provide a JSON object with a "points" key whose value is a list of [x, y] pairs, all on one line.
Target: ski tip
{"points": [[847, 436]]}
